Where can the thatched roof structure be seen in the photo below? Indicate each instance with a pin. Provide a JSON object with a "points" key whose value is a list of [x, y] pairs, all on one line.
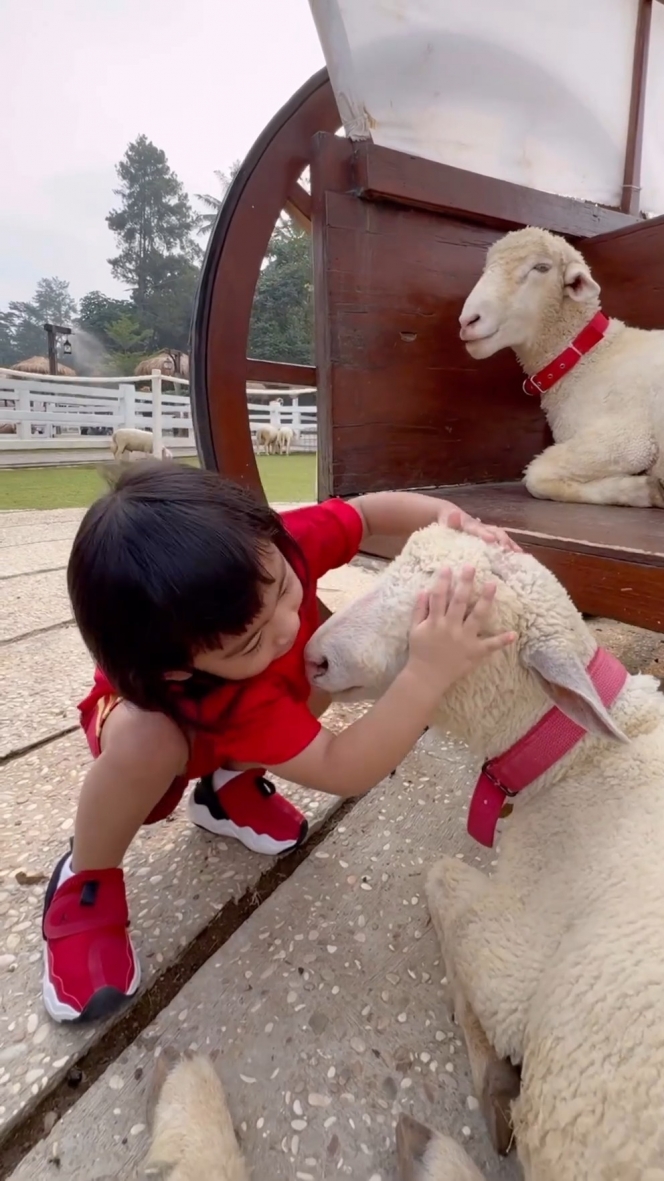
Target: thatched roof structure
{"points": [[171, 362], [40, 365]]}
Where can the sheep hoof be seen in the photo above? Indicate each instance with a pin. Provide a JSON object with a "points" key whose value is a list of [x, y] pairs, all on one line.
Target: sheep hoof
{"points": [[501, 1087]]}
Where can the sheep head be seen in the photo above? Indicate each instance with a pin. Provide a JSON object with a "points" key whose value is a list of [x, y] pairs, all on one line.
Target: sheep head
{"points": [[358, 652], [529, 278]]}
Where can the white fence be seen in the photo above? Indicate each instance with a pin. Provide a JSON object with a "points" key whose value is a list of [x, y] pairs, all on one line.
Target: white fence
{"points": [[47, 420]]}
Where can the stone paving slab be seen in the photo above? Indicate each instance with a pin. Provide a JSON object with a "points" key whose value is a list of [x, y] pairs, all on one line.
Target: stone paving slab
{"points": [[41, 680], [32, 602], [326, 1009], [32, 557], [27, 518], [178, 879]]}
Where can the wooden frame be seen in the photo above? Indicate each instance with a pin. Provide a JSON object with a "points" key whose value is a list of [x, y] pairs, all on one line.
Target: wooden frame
{"points": [[361, 190]]}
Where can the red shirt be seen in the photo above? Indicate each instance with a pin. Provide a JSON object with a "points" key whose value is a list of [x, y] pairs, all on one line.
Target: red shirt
{"points": [[264, 720]]}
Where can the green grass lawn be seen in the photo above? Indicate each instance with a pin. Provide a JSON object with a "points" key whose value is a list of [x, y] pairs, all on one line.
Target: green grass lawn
{"points": [[285, 477]]}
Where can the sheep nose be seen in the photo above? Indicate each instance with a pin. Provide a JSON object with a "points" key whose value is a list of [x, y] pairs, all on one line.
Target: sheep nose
{"points": [[467, 321], [317, 668]]}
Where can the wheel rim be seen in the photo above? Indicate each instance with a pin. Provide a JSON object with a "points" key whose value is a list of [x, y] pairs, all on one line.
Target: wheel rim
{"points": [[231, 268]]}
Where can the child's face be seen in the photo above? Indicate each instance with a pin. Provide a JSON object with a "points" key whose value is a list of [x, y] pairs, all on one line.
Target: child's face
{"points": [[271, 634]]}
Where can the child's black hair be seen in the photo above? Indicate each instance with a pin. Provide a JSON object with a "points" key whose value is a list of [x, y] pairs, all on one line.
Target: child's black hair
{"points": [[166, 563]]}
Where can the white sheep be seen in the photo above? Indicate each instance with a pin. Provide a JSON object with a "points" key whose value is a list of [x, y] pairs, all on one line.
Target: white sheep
{"points": [[266, 437], [132, 444], [606, 413], [556, 961], [191, 1127], [285, 436]]}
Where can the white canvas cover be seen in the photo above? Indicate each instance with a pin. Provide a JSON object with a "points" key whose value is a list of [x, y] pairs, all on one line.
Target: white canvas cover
{"points": [[531, 91]]}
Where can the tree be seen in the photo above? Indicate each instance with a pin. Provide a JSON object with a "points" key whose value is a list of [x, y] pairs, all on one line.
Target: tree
{"points": [[205, 221], [282, 318], [51, 303], [98, 311], [154, 221], [7, 350], [168, 307], [129, 342]]}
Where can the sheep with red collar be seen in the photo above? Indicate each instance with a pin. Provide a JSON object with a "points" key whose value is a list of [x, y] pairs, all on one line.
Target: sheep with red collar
{"points": [[601, 384], [556, 961]]}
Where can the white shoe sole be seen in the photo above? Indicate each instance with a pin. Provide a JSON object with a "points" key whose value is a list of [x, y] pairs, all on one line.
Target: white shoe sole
{"points": [[254, 841], [58, 1010]]}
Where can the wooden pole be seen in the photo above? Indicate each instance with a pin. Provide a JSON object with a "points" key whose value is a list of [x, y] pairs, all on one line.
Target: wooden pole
{"points": [[52, 355], [631, 191]]}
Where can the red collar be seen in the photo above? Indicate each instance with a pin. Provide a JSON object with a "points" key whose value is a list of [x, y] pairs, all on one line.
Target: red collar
{"points": [[540, 383], [540, 749]]}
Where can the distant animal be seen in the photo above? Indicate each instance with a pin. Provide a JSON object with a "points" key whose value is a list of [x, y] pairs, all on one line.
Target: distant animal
{"points": [[266, 437], [285, 436]]}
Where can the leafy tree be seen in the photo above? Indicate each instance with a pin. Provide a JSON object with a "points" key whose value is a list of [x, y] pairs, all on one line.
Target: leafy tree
{"points": [[168, 307], [7, 349], [282, 318], [205, 221], [153, 222], [129, 343], [51, 303], [98, 311]]}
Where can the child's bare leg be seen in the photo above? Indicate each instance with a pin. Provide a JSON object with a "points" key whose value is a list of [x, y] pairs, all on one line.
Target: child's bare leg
{"points": [[141, 754]]}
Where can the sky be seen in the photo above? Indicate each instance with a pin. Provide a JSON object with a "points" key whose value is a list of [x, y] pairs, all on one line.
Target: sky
{"points": [[82, 78]]}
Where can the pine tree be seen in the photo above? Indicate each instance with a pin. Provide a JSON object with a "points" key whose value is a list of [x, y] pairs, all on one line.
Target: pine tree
{"points": [[153, 223], [51, 303]]}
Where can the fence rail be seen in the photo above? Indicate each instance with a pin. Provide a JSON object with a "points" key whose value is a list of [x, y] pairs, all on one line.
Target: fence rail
{"points": [[67, 419]]}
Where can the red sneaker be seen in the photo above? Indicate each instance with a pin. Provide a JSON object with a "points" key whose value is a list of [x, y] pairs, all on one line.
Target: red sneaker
{"points": [[249, 808], [90, 966]]}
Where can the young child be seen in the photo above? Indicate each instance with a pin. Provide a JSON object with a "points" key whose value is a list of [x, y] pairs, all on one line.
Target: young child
{"points": [[196, 602]]}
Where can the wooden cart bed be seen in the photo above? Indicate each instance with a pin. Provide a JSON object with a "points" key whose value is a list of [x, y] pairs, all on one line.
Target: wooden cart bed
{"points": [[398, 243]]}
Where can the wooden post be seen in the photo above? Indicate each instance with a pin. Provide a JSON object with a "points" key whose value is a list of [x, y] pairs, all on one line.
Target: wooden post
{"points": [[52, 355], [24, 405], [127, 405], [157, 441], [631, 190]]}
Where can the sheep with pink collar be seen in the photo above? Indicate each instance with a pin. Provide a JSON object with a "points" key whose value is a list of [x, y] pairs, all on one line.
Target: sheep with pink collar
{"points": [[556, 960], [601, 383]]}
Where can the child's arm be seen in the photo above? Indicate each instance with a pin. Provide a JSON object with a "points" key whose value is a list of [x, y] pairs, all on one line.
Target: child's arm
{"points": [[445, 644], [402, 513]]}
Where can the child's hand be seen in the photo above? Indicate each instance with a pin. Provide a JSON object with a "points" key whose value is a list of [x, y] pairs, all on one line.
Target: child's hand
{"points": [[445, 640], [461, 521]]}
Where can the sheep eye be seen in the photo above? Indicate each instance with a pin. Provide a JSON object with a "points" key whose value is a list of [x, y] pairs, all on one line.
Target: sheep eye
{"points": [[542, 268]]}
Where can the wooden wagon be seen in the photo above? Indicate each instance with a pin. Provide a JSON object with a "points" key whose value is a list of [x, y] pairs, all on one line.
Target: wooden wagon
{"points": [[489, 128]]}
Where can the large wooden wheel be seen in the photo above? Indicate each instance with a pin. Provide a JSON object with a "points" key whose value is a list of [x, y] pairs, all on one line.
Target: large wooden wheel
{"points": [[266, 185]]}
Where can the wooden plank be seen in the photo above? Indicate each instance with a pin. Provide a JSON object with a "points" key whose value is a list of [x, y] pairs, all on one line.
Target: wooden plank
{"points": [[386, 175], [631, 193], [325, 1008], [627, 265], [298, 206], [401, 403], [611, 560], [280, 371]]}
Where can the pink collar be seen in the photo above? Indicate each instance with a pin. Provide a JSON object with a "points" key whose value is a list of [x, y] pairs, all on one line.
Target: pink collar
{"points": [[540, 749], [540, 383]]}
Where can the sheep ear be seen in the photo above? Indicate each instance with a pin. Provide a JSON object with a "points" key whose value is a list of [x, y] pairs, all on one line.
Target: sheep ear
{"points": [[579, 283], [567, 683], [413, 1139]]}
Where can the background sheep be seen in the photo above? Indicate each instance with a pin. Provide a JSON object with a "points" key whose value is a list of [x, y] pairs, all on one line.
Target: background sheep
{"points": [[266, 437], [285, 436], [556, 962], [131, 443], [192, 1131], [535, 296]]}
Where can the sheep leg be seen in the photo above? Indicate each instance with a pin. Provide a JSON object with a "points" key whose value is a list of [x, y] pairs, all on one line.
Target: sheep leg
{"points": [[424, 1155], [451, 888], [601, 469]]}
